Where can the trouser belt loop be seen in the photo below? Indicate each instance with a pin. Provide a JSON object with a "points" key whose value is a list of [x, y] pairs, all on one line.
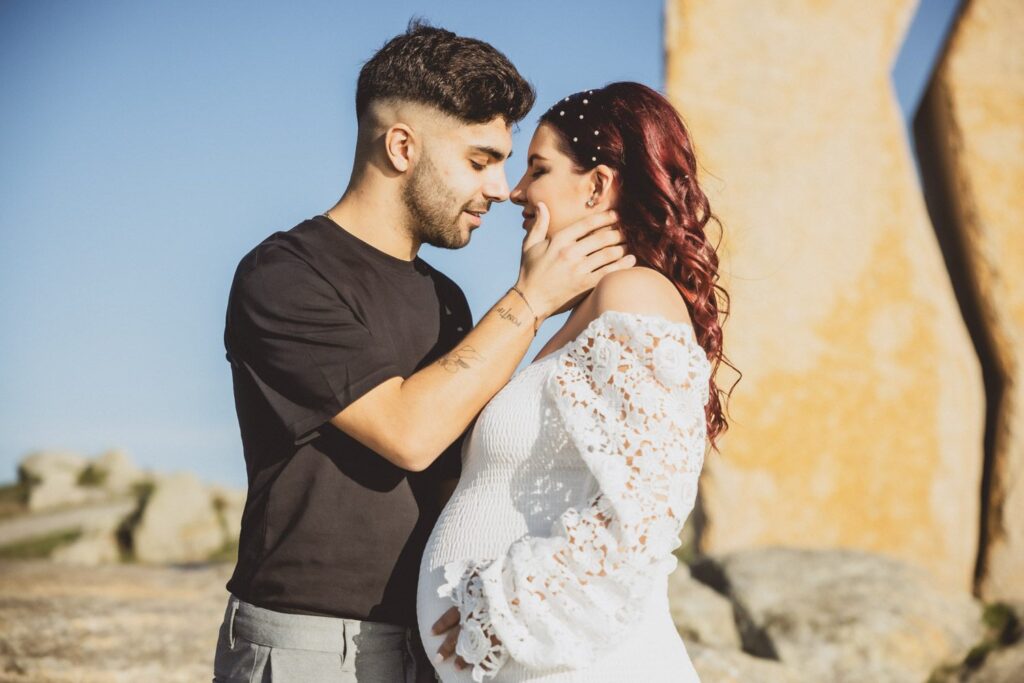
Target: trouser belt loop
{"points": [[231, 623], [344, 641]]}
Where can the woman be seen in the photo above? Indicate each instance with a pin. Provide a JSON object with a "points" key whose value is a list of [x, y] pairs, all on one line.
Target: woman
{"points": [[550, 560]]}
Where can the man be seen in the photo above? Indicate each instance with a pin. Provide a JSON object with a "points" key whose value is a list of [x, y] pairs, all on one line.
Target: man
{"points": [[356, 368]]}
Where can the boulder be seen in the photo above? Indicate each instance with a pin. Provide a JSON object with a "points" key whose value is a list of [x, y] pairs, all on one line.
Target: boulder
{"points": [[844, 616], [55, 492], [971, 141], [178, 522], [999, 658], [43, 464], [859, 420], [229, 503], [91, 549], [1005, 665], [701, 615], [52, 478], [115, 472]]}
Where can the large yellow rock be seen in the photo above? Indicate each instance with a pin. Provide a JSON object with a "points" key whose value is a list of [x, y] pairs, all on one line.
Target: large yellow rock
{"points": [[974, 113], [858, 421]]}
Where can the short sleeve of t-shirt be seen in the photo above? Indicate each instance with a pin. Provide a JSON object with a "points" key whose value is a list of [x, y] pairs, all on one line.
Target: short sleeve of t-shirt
{"points": [[304, 348]]}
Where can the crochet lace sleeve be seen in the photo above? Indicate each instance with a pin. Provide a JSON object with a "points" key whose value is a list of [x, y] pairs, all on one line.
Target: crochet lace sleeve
{"points": [[631, 391]]}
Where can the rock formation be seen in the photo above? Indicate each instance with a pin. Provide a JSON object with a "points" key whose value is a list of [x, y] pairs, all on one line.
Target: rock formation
{"points": [[844, 616], [105, 510], [178, 523], [858, 421], [970, 134]]}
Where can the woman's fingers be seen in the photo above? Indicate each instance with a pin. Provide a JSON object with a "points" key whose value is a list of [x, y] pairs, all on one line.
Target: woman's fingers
{"points": [[447, 648], [583, 227], [539, 230], [447, 620], [627, 261], [604, 256]]}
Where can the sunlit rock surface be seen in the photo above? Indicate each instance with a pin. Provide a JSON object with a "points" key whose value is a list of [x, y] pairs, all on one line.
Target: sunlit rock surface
{"points": [[858, 422], [974, 118]]}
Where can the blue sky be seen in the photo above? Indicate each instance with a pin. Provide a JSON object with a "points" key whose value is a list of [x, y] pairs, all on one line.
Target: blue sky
{"points": [[145, 147]]}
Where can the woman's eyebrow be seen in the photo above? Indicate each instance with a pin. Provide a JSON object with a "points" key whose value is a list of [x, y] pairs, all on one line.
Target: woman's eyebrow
{"points": [[534, 157]]}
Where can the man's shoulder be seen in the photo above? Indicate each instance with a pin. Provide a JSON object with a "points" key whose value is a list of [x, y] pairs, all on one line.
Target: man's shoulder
{"points": [[282, 258]]}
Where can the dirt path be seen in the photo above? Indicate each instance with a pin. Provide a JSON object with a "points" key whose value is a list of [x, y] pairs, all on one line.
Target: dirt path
{"points": [[120, 623]]}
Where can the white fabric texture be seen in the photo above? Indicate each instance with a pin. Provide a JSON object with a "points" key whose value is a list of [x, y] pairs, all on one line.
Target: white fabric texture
{"points": [[579, 474]]}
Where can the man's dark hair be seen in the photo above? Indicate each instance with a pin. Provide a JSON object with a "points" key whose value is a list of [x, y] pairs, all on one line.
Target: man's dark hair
{"points": [[464, 77]]}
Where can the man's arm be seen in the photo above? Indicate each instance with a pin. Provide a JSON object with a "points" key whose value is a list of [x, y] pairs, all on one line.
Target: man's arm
{"points": [[411, 421]]}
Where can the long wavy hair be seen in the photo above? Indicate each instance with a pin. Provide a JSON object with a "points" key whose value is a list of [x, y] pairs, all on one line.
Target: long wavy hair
{"points": [[662, 210]]}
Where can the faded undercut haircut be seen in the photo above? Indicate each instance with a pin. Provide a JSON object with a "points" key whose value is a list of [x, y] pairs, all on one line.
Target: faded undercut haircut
{"points": [[464, 77]]}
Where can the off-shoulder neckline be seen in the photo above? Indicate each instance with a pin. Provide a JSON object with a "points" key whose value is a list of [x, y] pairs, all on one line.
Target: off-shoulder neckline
{"points": [[652, 317]]}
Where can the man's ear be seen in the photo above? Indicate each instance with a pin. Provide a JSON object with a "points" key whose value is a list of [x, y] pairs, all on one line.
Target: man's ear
{"points": [[400, 146]]}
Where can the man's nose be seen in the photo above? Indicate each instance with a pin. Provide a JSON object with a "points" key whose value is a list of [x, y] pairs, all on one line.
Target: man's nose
{"points": [[497, 189]]}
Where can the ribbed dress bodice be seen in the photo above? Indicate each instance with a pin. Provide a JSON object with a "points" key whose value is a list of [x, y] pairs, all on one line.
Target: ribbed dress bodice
{"points": [[520, 472]]}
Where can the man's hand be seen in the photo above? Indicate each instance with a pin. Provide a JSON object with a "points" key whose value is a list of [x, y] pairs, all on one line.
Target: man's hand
{"points": [[449, 622], [559, 270]]}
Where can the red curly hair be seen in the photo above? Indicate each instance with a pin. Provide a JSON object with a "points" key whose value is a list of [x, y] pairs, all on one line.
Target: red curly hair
{"points": [[662, 209]]}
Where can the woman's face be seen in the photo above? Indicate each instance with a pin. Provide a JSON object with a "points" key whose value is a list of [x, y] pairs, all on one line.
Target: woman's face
{"points": [[552, 179]]}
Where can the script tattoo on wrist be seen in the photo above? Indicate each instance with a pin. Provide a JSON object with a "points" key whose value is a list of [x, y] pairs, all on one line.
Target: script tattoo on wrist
{"points": [[506, 314], [459, 359]]}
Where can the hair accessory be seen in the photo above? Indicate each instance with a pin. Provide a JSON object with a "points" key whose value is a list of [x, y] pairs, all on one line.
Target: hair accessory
{"points": [[570, 120]]}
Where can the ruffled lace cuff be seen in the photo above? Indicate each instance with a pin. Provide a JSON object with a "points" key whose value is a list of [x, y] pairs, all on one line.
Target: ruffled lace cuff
{"points": [[477, 644]]}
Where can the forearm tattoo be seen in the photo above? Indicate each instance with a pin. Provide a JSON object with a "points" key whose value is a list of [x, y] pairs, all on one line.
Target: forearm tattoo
{"points": [[459, 359], [506, 314]]}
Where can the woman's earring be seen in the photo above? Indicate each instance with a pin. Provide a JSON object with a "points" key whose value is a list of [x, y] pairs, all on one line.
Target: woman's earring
{"points": [[590, 203]]}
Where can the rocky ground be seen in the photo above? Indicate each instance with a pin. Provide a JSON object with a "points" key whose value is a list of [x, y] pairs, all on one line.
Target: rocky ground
{"points": [[111, 573], [767, 616], [109, 624]]}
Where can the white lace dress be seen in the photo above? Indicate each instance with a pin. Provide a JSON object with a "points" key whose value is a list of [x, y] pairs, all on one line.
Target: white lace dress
{"points": [[577, 478]]}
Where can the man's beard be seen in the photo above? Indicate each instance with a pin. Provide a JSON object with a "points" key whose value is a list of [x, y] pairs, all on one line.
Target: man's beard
{"points": [[429, 202]]}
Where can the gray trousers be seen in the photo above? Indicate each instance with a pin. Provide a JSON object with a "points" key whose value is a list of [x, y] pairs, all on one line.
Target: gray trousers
{"points": [[258, 645]]}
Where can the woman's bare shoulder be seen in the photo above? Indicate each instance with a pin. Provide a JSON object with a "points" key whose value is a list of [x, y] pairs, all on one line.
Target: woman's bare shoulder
{"points": [[639, 290]]}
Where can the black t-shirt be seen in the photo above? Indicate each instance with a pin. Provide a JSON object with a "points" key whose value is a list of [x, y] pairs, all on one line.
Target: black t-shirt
{"points": [[315, 319]]}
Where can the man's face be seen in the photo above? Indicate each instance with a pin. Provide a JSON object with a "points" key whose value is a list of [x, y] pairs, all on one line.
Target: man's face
{"points": [[460, 171]]}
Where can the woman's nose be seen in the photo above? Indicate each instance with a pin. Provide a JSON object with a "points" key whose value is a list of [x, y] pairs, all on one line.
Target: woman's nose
{"points": [[518, 196]]}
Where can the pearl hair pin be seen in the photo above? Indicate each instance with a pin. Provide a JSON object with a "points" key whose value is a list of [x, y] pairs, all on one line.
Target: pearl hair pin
{"points": [[577, 134]]}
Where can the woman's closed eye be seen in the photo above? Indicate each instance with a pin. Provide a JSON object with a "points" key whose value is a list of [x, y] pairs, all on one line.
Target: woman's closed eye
{"points": [[538, 173]]}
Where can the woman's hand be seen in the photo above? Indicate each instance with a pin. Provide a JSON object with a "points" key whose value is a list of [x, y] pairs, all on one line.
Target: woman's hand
{"points": [[557, 270], [449, 622]]}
